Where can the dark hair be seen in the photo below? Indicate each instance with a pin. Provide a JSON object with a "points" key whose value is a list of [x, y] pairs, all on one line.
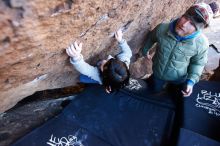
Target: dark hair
{"points": [[115, 74]]}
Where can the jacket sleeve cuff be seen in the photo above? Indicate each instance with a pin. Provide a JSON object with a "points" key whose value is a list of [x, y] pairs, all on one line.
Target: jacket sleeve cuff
{"points": [[190, 82], [122, 41], [73, 60]]}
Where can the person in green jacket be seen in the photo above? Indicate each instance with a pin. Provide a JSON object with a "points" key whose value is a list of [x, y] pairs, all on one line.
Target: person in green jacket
{"points": [[181, 50]]}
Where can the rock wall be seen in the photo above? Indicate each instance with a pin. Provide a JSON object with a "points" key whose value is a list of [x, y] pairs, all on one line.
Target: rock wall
{"points": [[34, 35]]}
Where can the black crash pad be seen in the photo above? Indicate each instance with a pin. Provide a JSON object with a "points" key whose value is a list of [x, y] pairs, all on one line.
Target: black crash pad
{"points": [[96, 118], [190, 138], [200, 116], [131, 117]]}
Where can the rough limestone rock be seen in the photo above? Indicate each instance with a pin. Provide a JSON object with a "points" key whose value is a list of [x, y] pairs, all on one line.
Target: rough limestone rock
{"points": [[212, 68], [34, 35]]}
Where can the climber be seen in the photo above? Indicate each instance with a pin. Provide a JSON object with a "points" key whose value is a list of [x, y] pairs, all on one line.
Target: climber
{"points": [[112, 73], [181, 50]]}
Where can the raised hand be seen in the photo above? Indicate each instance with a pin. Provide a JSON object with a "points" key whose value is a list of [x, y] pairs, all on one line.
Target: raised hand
{"points": [[118, 35], [74, 50]]}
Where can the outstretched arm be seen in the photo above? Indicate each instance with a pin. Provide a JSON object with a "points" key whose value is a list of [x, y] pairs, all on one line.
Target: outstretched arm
{"points": [[76, 59], [125, 54]]}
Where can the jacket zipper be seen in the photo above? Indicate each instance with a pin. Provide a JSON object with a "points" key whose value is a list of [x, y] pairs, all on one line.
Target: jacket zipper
{"points": [[171, 54]]}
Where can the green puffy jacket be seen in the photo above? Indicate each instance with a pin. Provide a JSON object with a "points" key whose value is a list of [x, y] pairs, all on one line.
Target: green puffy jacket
{"points": [[173, 59]]}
